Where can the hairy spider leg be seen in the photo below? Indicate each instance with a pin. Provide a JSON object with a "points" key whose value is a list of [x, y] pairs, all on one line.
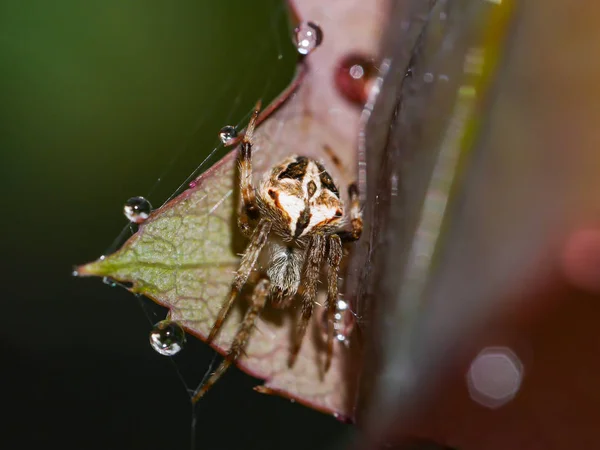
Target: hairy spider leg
{"points": [[259, 298], [356, 221], [315, 252], [334, 257], [249, 258], [249, 213]]}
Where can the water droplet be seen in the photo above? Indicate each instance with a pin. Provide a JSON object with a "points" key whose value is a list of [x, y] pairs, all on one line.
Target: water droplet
{"points": [[307, 37], [167, 337], [109, 281], [342, 305], [137, 209], [343, 321], [428, 77], [75, 273], [114, 283], [227, 134], [354, 77]]}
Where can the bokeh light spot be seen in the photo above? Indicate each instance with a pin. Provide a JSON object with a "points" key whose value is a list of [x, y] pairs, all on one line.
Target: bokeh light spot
{"points": [[495, 376]]}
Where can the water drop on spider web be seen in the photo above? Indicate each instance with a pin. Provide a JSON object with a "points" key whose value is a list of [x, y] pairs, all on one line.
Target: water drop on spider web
{"points": [[109, 281], [137, 209], [307, 37], [167, 338], [190, 350], [343, 322], [227, 134], [114, 283]]}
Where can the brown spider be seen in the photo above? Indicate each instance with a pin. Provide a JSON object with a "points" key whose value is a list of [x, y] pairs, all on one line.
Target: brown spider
{"points": [[298, 214]]}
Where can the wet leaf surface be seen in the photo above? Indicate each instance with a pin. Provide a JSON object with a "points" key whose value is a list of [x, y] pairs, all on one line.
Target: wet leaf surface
{"points": [[183, 257]]}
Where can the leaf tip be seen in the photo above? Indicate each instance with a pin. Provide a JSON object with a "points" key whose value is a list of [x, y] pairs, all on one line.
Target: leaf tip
{"points": [[98, 268]]}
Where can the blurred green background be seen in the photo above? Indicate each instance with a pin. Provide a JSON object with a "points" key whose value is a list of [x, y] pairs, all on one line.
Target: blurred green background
{"points": [[100, 100]]}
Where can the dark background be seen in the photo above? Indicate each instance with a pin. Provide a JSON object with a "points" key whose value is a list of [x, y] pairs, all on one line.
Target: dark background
{"points": [[98, 101]]}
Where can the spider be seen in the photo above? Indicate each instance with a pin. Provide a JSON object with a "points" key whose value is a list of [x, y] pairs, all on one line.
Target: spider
{"points": [[297, 214]]}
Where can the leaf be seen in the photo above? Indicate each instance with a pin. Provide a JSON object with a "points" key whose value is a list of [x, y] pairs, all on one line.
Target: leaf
{"points": [[183, 257]]}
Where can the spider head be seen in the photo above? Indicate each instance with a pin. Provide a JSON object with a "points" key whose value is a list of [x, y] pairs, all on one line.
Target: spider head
{"points": [[302, 198]]}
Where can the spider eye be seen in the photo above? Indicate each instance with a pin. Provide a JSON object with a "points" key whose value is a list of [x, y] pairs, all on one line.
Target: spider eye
{"points": [[295, 170]]}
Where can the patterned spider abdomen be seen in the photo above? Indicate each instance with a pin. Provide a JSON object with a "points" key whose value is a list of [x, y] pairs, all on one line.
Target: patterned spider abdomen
{"points": [[300, 197]]}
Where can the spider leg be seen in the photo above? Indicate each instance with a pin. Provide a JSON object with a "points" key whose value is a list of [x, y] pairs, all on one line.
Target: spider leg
{"points": [[259, 298], [356, 221], [334, 257], [314, 256], [249, 258], [250, 212]]}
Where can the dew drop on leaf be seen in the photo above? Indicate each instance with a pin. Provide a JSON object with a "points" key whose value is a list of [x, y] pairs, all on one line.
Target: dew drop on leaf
{"points": [[307, 37], [227, 134], [167, 337], [137, 209]]}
